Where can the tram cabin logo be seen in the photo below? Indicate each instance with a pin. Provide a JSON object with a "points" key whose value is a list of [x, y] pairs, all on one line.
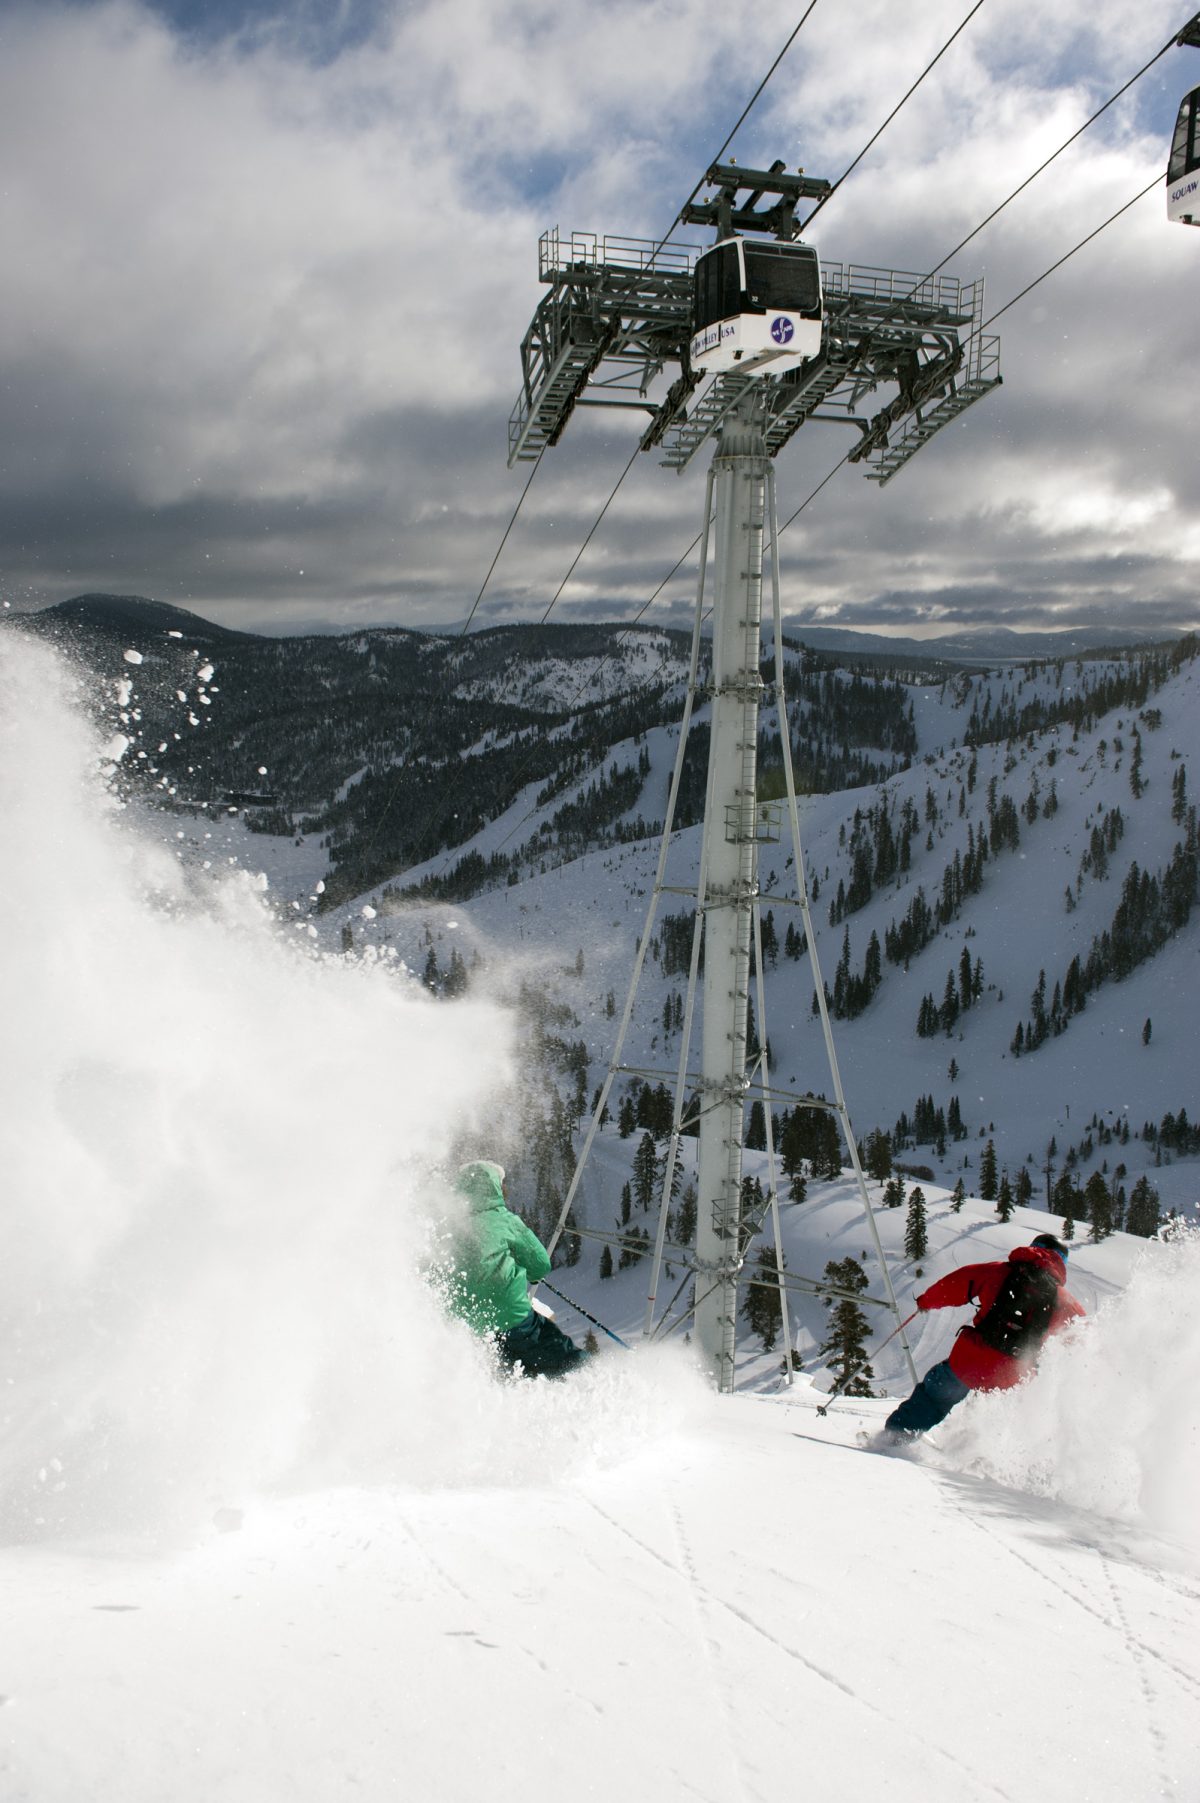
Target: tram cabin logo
{"points": [[782, 330], [711, 337]]}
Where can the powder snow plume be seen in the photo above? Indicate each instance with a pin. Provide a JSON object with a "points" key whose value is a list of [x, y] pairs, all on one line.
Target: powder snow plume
{"points": [[1112, 1421], [219, 1162]]}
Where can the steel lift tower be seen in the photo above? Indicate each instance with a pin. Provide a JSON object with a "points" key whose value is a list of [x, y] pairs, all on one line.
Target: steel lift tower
{"points": [[616, 314]]}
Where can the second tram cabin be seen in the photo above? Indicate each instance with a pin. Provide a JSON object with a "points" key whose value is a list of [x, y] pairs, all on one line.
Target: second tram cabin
{"points": [[1183, 170], [756, 306]]}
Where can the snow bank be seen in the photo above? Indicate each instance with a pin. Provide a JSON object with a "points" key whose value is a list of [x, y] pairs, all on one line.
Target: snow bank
{"points": [[220, 1158], [1112, 1422]]}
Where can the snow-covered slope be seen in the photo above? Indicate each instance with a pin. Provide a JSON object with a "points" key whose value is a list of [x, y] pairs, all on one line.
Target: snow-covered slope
{"points": [[1020, 922], [703, 1599], [272, 1532]]}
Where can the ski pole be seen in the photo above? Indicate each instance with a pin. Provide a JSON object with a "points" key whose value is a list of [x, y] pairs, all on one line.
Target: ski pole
{"points": [[838, 1388], [586, 1316]]}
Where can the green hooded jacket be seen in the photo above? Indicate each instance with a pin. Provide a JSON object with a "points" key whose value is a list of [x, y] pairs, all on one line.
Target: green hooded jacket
{"points": [[495, 1257]]}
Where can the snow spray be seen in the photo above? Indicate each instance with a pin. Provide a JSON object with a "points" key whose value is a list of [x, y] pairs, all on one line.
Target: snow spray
{"points": [[1112, 1420], [220, 1156]]}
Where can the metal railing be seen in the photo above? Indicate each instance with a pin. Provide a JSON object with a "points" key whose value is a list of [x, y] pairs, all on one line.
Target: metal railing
{"points": [[585, 250]]}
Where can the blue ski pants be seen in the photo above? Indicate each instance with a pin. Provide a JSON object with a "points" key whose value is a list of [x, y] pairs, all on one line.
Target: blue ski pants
{"points": [[937, 1393]]}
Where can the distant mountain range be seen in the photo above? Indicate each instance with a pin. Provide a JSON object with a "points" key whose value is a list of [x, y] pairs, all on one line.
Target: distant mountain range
{"points": [[105, 614], [983, 643], [126, 615]]}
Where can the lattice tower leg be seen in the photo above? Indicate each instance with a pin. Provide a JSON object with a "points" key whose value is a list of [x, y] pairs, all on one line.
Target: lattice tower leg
{"points": [[656, 890], [835, 1074], [741, 471]]}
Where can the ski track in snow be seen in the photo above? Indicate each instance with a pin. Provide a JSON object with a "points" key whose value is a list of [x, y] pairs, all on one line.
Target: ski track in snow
{"points": [[1189, 1680], [706, 1635], [701, 1593], [1150, 1704]]}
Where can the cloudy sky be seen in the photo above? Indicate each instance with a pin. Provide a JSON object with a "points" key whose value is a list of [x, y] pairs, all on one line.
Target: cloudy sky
{"points": [[266, 268]]}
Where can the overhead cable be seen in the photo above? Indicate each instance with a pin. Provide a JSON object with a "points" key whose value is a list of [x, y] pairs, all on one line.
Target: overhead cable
{"points": [[741, 120], [1140, 195], [901, 102], [591, 533], [504, 540], [1065, 145]]}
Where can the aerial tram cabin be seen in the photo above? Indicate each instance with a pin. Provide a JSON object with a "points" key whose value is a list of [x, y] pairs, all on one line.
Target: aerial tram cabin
{"points": [[756, 306], [1183, 169]]}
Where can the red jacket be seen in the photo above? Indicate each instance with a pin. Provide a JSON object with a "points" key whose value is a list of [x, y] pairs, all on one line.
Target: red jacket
{"points": [[972, 1360]]}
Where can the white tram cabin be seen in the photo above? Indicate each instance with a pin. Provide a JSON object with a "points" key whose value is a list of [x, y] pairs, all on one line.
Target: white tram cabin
{"points": [[1183, 169], [756, 306]]}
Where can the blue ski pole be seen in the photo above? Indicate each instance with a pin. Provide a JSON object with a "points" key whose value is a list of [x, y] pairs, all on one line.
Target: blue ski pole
{"points": [[586, 1316]]}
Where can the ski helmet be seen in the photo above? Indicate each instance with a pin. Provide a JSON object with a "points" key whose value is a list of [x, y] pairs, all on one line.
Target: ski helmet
{"points": [[1052, 1245]]}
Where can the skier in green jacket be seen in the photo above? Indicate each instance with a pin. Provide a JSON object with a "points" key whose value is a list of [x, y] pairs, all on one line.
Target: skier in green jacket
{"points": [[494, 1259]]}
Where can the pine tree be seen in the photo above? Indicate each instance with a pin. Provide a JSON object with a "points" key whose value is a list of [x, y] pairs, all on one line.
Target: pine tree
{"points": [[958, 1197], [626, 1119], [987, 1173], [1099, 1204], [645, 1169], [877, 1155], [1004, 1199], [756, 1131], [1142, 1216], [591, 1345], [762, 1309], [1024, 1188], [606, 1264], [916, 1235], [846, 1344], [456, 976], [770, 940]]}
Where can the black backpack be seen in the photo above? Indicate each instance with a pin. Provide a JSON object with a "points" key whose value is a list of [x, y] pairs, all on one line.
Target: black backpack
{"points": [[1018, 1320]]}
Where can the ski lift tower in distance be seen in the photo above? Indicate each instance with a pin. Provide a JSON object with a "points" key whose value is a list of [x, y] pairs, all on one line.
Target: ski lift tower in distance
{"points": [[766, 336]]}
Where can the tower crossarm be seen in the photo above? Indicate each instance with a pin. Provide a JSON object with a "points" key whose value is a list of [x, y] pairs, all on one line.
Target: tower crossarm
{"points": [[617, 312], [621, 302]]}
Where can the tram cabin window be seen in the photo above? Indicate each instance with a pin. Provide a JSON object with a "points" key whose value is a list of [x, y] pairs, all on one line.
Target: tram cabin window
{"points": [[1183, 168], [718, 285], [786, 277]]}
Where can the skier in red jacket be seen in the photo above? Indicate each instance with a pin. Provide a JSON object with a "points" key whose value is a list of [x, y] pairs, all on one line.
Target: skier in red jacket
{"points": [[1019, 1302]]}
